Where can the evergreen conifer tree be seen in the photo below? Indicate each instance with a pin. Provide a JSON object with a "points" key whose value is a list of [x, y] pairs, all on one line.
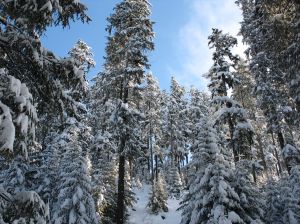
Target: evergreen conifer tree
{"points": [[228, 111], [158, 196], [131, 35]]}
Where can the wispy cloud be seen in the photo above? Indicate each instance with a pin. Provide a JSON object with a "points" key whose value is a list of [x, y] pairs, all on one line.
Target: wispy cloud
{"points": [[195, 56]]}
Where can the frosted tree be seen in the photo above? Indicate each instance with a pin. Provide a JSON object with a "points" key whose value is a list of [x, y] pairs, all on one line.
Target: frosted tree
{"points": [[130, 38], [18, 117], [213, 196], [175, 182], [45, 75], [107, 197], [104, 150], [158, 196], [53, 152], [272, 63], [283, 199], [82, 55], [197, 109], [153, 122], [23, 207], [228, 111], [291, 53], [28, 69], [74, 202], [175, 126]]}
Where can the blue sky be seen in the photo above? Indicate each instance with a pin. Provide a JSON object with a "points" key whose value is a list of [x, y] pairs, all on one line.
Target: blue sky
{"points": [[181, 28]]}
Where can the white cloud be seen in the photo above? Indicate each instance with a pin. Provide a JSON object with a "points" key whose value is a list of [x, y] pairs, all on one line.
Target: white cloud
{"points": [[192, 38]]}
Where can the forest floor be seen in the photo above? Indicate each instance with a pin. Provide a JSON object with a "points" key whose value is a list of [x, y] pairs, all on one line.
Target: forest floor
{"points": [[139, 214]]}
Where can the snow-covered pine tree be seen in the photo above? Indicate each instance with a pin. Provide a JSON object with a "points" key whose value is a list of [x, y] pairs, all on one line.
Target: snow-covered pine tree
{"points": [[153, 122], [104, 150], [44, 74], [162, 160], [74, 202], [197, 109], [174, 139], [28, 68], [204, 140], [242, 93], [158, 196], [198, 112], [104, 176], [272, 64], [82, 55], [176, 109], [130, 38], [72, 191], [53, 143], [212, 196], [18, 117], [291, 53], [47, 162], [283, 199], [228, 111], [175, 183]]}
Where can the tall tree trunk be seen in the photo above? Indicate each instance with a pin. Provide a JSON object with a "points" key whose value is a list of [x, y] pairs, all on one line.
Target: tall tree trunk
{"points": [[280, 139], [121, 185], [156, 167], [148, 165], [254, 173], [262, 155], [130, 168], [281, 142], [172, 146], [121, 180], [178, 164], [276, 154], [151, 155], [231, 129]]}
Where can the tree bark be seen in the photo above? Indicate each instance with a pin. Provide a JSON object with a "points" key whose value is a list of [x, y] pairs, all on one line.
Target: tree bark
{"points": [[231, 129], [156, 167], [254, 173], [276, 155], [121, 185], [281, 142], [121, 180], [130, 168], [151, 155], [262, 155], [280, 139], [178, 164]]}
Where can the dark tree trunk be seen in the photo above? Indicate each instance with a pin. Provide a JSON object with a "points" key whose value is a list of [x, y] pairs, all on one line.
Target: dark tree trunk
{"points": [[280, 139], [281, 143], [231, 129], [121, 190], [254, 173], [149, 166], [156, 167], [262, 155], [276, 155], [178, 164], [130, 168], [121, 180], [151, 155]]}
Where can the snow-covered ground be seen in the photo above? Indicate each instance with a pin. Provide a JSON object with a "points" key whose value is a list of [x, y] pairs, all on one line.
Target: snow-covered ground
{"points": [[140, 215]]}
